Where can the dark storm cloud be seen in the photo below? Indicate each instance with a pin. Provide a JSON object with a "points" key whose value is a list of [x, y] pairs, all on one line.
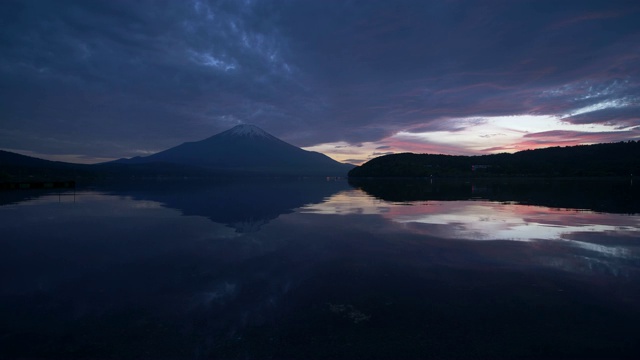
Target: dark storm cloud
{"points": [[130, 76], [121, 78], [414, 65], [486, 61], [622, 118]]}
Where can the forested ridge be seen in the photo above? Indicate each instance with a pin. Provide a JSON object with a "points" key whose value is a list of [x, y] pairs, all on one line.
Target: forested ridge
{"points": [[611, 159]]}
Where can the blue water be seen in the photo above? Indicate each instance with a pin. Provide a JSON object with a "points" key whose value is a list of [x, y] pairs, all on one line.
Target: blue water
{"points": [[321, 269]]}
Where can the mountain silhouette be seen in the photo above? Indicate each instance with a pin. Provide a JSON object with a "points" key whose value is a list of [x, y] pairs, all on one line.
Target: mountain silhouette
{"points": [[246, 149]]}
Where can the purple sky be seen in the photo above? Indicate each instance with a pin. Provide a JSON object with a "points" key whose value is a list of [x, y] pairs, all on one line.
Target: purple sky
{"points": [[88, 81]]}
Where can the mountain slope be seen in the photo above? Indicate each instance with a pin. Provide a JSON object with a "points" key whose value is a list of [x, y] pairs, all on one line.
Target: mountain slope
{"points": [[246, 149], [17, 167], [8, 158]]}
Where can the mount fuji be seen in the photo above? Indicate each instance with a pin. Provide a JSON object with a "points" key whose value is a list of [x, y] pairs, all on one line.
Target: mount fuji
{"points": [[246, 150]]}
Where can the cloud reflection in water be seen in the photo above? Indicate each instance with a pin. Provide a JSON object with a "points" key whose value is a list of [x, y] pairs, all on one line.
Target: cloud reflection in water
{"points": [[491, 220]]}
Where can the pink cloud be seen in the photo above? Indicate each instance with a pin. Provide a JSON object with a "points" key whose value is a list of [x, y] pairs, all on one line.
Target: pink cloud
{"points": [[427, 148], [566, 138]]}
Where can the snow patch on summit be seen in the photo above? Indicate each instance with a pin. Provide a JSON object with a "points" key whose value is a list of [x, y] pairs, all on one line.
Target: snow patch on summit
{"points": [[248, 130]]}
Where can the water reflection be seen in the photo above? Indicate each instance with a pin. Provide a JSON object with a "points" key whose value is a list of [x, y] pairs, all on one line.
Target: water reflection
{"points": [[155, 270], [602, 195], [573, 240], [243, 204], [481, 219]]}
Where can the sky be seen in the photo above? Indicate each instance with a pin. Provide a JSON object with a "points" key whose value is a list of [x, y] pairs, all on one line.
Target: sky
{"points": [[89, 81]]}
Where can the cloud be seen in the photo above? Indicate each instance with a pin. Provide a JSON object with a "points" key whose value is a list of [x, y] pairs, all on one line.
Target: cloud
{"points": [[565, 138], [134, 74], [355, 161], [572, 137], [149, 75], [620, 117]]}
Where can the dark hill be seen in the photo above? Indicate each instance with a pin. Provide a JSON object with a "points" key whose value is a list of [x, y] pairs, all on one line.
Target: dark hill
{"points": [[8, 158], [614, 159], [17, 167]]}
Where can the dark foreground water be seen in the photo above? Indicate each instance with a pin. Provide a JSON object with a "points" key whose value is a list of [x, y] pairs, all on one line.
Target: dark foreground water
{"points": [[322, 269]]}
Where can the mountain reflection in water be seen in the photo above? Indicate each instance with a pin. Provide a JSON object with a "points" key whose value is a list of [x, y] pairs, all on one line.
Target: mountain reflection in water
{"points": [[321, 269], [243, 204]]}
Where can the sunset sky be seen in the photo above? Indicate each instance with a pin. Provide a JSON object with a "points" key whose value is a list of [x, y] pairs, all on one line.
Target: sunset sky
{"points": [[89, 81]]}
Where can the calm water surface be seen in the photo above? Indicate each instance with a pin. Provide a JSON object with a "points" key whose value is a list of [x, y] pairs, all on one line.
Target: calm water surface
{"points": [[322, 269]]}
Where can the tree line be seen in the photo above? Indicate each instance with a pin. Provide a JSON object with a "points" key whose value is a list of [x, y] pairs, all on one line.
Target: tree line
{"points": [[610, 159]]}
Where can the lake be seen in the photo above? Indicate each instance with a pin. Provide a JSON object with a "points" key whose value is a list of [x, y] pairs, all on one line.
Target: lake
{"points": [[322, 269]]}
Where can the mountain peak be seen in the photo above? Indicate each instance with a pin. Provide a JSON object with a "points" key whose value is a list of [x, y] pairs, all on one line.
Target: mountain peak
{"points": [[247, 149], [248, 130]]}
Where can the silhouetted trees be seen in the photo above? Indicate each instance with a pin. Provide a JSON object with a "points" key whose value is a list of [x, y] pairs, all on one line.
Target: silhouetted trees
{"points": [[613, 159]]}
